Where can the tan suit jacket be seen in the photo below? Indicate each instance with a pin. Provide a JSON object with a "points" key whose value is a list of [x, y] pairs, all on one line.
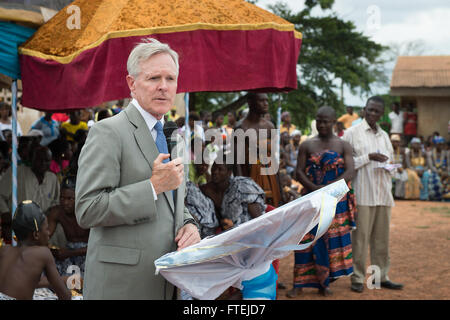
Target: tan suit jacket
{"points": [[129, 229]]}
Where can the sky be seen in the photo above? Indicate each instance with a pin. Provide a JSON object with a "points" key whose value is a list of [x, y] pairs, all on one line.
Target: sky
{"points": [[389, 22]]}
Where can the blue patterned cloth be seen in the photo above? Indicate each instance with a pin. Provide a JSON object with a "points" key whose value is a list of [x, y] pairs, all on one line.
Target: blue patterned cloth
{"points": [[261, 287], [434, 186], [331, 256], [79, 261]]}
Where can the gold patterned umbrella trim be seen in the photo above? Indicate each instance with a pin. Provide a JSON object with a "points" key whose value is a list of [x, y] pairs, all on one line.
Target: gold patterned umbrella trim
{"points": [[159, 30]]}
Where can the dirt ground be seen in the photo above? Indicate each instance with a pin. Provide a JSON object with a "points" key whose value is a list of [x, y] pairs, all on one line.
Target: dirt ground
{"points": [[420, 258]]}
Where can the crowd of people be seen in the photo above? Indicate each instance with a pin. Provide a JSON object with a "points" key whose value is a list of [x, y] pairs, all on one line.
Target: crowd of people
{"points": [[47, 165], [220, 195]]}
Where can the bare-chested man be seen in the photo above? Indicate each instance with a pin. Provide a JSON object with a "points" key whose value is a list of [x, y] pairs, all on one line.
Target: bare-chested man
{"points": [[258, 106], [322, 160], [21, 267]]}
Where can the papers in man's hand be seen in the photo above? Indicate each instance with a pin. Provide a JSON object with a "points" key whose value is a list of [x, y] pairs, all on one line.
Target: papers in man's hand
{"points": [[389, 166]]}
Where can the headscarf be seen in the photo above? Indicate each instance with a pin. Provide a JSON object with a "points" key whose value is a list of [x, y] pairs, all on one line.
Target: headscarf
{"points": [[438, 139]]}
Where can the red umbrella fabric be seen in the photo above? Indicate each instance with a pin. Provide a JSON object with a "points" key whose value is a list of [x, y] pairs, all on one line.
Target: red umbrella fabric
{"points": [[223, 46]]}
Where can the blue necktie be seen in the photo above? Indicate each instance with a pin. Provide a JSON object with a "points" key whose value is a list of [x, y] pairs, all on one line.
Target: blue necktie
{"points": [[161, 142]]}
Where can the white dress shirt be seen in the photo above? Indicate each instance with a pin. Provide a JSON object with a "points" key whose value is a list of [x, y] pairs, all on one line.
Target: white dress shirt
{"points": [[150, 120], [372, 184]]}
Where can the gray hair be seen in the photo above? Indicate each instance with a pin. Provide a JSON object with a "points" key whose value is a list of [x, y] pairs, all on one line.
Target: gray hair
{"points": [[146, 49]]}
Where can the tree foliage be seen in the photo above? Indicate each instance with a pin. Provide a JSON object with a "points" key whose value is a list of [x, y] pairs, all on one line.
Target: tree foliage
{"points": [[333, 53]]}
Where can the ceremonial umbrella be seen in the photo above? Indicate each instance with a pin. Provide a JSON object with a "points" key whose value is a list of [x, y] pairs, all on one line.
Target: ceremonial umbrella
{"points": [[78, 59], [17, 23]]}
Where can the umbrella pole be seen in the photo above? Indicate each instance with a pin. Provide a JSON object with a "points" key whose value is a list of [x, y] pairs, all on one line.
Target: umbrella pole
{"points": [[277, 152], [14, 153], [187, 132]]}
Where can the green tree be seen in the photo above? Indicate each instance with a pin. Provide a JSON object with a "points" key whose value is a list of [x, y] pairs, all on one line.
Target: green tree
{"points": [[333, 54]]}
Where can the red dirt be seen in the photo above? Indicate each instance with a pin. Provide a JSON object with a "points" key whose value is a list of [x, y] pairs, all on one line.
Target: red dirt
{"points": [[420, 258]]}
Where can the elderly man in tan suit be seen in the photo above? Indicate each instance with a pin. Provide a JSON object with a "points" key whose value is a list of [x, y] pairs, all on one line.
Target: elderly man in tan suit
{"points": [[128, 192]]}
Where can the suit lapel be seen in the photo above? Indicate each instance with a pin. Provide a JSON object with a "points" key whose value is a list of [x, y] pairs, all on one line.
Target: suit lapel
{"points": [[145, 142]]}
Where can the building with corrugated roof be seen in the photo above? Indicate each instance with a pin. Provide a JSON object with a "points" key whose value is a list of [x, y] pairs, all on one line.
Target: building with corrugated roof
{"points": [[424, 81]]}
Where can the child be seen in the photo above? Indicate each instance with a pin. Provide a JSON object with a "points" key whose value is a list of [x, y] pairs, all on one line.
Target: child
{"points": [[288, 193], [340, 129], [21, 267]]}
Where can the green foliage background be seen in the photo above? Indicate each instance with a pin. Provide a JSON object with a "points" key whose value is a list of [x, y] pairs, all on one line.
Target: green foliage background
{"points": [[333, 55]]}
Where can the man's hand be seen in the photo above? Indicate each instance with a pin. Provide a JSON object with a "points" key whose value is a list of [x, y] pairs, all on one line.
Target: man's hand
{"points": [[167, 176], [187, 236], [377, 157]]}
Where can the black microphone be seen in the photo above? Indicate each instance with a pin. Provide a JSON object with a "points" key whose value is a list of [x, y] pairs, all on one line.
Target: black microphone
{"points": [[168, 129]]}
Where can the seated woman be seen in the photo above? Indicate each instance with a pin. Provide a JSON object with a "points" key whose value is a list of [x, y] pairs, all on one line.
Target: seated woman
{"points": [[225, 201], [418, 173], [202, 209], [61, 156], [438, 163], [236, 199]]}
